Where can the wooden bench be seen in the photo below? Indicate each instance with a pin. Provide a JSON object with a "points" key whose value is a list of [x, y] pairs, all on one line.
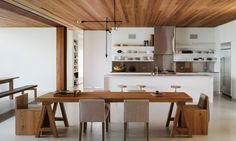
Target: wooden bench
{"points": [[20, 89]]}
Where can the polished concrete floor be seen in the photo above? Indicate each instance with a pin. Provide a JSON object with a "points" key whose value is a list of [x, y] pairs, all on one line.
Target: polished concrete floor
{"points": [[222, 126]]}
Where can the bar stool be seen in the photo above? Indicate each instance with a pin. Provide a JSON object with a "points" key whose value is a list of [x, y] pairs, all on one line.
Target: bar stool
{"points": [[169, 118], [122, 87], [141, 87]]}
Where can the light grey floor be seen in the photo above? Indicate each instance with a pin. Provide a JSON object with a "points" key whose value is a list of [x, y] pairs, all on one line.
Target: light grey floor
{"points": [[222, 126]]}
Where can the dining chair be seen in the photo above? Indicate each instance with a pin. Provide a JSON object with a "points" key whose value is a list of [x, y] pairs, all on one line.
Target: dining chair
{"points": [[27, 116], [199, 115], [136, 111], [93, 110], [107, 104]]}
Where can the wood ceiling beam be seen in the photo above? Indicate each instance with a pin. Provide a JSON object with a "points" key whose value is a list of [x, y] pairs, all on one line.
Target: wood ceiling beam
{"points": [[10, 7]]}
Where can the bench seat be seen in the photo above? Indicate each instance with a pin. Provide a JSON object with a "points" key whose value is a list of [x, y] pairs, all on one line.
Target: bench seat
{"points": [[19, 89]]}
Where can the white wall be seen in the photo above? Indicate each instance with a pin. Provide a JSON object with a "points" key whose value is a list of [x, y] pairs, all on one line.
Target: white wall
{"points": [[29, 53], [96, 65], [226, 33], [205, 35], [120, 36]]}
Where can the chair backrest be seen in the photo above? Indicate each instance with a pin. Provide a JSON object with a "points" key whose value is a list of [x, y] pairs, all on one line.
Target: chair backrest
{"points": [[136, 110], [22, 101], [203, 103], [92, 110]]}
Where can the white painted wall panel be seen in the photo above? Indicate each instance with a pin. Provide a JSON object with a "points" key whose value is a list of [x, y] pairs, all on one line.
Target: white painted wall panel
{"points": [[29, 53]]}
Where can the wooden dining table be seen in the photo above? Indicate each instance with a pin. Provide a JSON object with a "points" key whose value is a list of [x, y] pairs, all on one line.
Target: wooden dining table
{"points": [[47, 118], [10, 81]]}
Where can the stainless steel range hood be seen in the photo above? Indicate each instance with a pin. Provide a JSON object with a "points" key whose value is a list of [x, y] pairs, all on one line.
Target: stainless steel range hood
{"points": [[164, 40], [164, 48]]}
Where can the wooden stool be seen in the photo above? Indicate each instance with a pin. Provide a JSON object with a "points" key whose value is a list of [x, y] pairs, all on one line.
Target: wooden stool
{"points": [[169, 118], [122, 87], [141, 87]]}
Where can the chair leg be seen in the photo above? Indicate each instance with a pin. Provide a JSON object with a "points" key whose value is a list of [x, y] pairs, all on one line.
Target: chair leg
{"points": [[125, 128], [85, 127], [109, 116], [103, 124], [80, 130], [107, 124], [147, 130], [169, 115]]}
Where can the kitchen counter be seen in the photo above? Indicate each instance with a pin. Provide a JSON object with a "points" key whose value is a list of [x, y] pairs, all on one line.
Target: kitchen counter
{"points": [[192, 84], [161, 74]]}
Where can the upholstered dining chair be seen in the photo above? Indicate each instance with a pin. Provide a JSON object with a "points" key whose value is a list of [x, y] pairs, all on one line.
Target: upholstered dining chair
{"points": [[136, 111], [92, 110]]}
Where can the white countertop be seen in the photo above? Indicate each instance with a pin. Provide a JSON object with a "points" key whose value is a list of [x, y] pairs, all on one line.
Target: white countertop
{"points": [[170, 74]]}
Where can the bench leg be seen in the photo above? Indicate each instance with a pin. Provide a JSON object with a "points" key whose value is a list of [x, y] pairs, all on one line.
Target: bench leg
{"points": [[11, 87], [35, 93]]}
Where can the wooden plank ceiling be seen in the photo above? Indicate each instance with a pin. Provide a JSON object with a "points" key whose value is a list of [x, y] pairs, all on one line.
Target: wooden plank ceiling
{"points": [[134, 13], [11, 19]]}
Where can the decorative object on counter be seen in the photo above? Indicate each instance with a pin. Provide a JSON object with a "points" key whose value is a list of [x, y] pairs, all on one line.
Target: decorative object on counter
{"points": [[122, 87], [169, 118], [67, 93], [119, 68], [146, 43], [157, 93]]}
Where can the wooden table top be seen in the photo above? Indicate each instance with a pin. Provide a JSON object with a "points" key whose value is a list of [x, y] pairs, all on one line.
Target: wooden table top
{"points": [[119, 97]]}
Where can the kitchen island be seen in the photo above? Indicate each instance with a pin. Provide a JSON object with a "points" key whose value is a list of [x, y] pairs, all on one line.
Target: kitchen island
{"points": [[191, 84]]}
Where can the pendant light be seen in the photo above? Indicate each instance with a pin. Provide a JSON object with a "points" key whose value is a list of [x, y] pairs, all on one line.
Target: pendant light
{"points": [[107, 21]]}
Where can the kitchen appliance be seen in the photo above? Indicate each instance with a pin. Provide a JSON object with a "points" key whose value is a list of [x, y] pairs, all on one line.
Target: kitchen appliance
{"points": [[164, 40], [225, 69], [164, 47]]}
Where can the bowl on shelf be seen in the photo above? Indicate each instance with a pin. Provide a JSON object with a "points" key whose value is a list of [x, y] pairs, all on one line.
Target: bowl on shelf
{"points": [[119, 68], [129, 58], [135, 51], [145, 58]]}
